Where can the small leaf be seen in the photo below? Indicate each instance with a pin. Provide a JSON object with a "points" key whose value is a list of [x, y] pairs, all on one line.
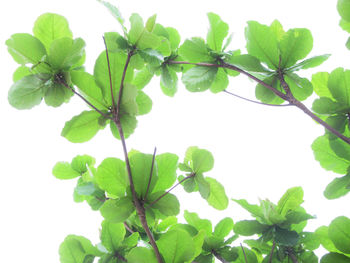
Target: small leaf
{"points": [[195, 50], [285, 237], [338, 187], [21, 72], [174, 37], [150, 23], [168, 205], [290, 201], [63, 170], [339, 233], [200, 224], [338, 85], [320, 84], [144, 103], [142, 78], [254, 210], [112, 235], [223, 228], [27, 92], [49, 27], [117, 211], [198, 78], [168, 81], [151, 56], [343, 7], [202, 161], [141, 255], [220, 82], [111, 176], [181, 249], [247, 63], [277, 29], [116, 14], [218, 30], [310, 62], [327, 106], [248, 227], [56, 94], [217, 197], [203, 186], [301, 88], [166, 165], [128, 123], [24, 48], [82, 127]]}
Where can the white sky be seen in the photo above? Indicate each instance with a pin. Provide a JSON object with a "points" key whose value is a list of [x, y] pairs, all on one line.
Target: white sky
{"points": [[259, 151]]}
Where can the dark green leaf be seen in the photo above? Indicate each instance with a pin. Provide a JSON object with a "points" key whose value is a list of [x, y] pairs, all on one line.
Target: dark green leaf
{"points": [[218, 30], [27, 92], [117, 211], [56, 94], [326, 105], [248, 227], [141, 255], [82, 127], [168, 205], [49, 27], [111, 176], [217, 197], [334, 258], [199, 78], [181, 249], [195, 50], [223, 228], [338, 187], [296, 44], [339, 233], [112, 235], [246, 255], [24, 48], [285, 237], [262, 43]]}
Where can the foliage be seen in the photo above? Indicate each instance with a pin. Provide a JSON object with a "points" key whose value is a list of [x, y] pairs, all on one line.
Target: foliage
{"points": [[134, 194]]}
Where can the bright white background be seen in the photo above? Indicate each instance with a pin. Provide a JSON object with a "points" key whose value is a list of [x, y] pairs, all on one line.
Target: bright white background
{"points": [[259, 151]]}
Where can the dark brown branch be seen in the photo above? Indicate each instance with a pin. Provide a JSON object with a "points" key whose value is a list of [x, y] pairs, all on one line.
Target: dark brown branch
{"points": [[110, 77], [219, 257], [284, 96], [122, 84], [167, 192], [63, 82], [151, 173], [272, 250], [257, 102], [245, 256]]}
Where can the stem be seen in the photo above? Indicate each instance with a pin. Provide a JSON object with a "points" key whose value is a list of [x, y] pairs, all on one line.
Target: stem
{"points": [[272, 250], [167, 192], [120, 257], [63, 82], [284, 96], [245, 256], [219, 257], [151, 173], [110, 77], [128, 228], [291, 255], [254, 101]]}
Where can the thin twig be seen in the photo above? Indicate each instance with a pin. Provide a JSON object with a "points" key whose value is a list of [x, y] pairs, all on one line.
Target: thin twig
{"points": [[245, 256], [110, 76], [291, 255], [219, 257], [63, 82], [257, 102], [151, 173], [128, 228], [167, 192], [272, 250]]}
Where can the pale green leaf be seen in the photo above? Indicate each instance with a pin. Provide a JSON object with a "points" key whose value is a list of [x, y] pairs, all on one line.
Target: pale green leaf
{"points": [[117, 211], [218, 30], [217, 197], [198, 78]]}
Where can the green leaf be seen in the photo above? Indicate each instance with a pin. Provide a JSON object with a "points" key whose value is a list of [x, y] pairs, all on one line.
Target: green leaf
{"points": [[142, 78], [115, 13], [254, 210], [139, 35], [310, 240], [174, 37], [49, 27], [128, 123], [82, 127], [65, 52], [295, 45], [21, 72], [246, 256], [88, 87], [56, 94], [198, 223], [223, 228], [339, 233], [327, 157], [131, 241], [195, 50], [117, 211], [343, 7], [334, 258], [320, 84], [290, 201], [339, 85], [111, 176], [326, 242], [24, 48], [203, 186], [217, 197], [220, 82], [247, 63], [301, 88], [141, 164], [151, 56], [277, 29], [218, 30], [168, 205], [168, 81], [141, 255], [144, 103], [181, 249], [128, 102], [198, 78], [112, 235], [338, 187], [27, 92], [267, 96], [286, 237], [74, 249], [248, 227], [345, 25], [198, 241], [167, 166], [310, 62], [327, 106], [117, 63], [262, 43], [150, 23], [202, 161], [166, 223], [63, 170]]}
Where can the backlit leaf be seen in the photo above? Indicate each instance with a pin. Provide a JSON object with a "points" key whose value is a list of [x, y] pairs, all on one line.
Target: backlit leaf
{"points": [[339, 233], [218, 30], [217, 197], [117, 211], [195, 50], [199, 78]]}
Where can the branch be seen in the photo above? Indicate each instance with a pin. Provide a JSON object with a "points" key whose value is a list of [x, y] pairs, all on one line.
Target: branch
{"points": [[120, 257], [245, 256], [272, 250], [284, 96], [61, 80], [151, 173], [128, 228], [110, 77], [167, 192], [291, 255], [257, 102], [219, 257]]}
